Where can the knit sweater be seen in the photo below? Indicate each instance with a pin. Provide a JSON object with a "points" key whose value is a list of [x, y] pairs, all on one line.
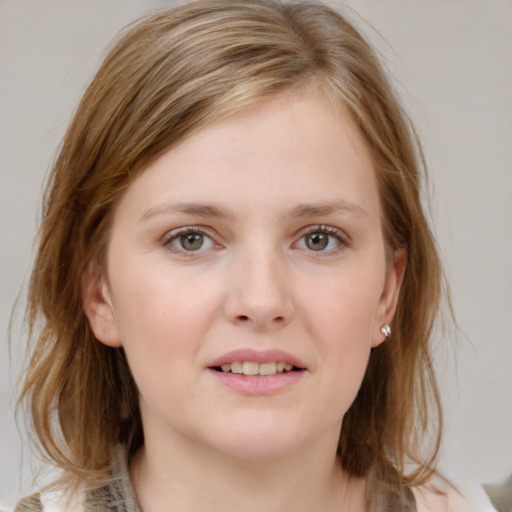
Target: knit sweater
{"points": [[118, 496]]}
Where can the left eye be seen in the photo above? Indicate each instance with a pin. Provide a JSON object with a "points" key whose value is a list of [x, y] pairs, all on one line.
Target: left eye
{"points": [[189, 241], [320, 241]]}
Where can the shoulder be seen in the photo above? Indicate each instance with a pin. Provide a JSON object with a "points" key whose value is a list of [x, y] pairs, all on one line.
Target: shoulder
{"points": [[115, 495], [30, 503], [51, 501], [438, 496]]}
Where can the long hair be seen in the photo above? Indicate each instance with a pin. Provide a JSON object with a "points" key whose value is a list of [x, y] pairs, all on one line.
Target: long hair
{"points": [[166, 77]]}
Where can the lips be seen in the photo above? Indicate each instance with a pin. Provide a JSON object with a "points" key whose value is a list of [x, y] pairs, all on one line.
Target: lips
{"points": [[252, 372], [254, 362], [254, 368]]}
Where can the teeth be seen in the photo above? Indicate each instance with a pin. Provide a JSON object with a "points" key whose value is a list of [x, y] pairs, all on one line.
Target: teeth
{"points": [[253, 368], [250, 368], [268, 369], [236, 367]]}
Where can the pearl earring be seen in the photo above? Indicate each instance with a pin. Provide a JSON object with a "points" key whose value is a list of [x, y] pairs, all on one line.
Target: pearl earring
{"points": [[386, 330]]}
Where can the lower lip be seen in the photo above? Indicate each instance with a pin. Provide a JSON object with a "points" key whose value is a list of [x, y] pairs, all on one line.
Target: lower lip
{"points": [[258, 385]]}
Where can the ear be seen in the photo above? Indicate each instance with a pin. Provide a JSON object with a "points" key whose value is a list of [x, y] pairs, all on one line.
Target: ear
{"points": [[98, 308], [389, 299]]}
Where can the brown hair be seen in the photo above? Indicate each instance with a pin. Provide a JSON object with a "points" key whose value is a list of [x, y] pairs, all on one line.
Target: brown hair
{"points": [[169, 75]]}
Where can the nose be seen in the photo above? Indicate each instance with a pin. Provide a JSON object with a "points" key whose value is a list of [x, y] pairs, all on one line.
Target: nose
{"points": [[259, 293]]}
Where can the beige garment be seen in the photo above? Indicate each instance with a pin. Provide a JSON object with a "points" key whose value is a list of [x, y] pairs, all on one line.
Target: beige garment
{"points": [[501, 495], [440, 497]]}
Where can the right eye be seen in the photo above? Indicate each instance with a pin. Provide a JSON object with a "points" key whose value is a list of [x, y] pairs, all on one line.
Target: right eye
{"points": [[188, 240]]}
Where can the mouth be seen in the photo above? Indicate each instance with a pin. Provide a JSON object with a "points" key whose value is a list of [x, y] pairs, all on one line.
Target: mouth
{"points": [[257, 363], [252, 372], [253, 368]]}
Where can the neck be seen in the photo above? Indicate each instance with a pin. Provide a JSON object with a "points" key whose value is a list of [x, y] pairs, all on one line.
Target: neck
{"points": [[191, 478]]}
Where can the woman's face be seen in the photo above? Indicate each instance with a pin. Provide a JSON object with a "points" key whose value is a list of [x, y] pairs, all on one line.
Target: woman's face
{"points": [[247, 281]]}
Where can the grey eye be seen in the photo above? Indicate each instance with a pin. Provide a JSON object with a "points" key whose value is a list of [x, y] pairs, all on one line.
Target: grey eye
{"points": [[191, 241], [317, 241], [324, 239], [187, 240]]}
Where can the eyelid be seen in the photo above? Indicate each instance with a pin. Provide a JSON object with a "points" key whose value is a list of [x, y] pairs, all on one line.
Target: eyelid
{"points": [[340, 235], [343, 239], [174, 234]]}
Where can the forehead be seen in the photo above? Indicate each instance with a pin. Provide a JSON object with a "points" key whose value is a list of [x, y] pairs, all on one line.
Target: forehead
{"points": [[292, 149]]}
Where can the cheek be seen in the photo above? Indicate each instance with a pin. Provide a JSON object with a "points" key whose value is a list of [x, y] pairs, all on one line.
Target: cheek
{"points": [[157, 301], [340, 317], [162, 322], [343, 308]]}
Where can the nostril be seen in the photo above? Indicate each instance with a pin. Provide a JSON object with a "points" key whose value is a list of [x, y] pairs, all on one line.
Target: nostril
{"points": [[261, 323]]}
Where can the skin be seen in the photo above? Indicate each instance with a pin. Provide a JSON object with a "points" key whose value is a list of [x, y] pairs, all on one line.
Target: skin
{"points": [[277, 174]]}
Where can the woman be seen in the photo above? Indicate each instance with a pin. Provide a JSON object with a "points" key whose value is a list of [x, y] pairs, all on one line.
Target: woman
{"points": [[236, 277]]}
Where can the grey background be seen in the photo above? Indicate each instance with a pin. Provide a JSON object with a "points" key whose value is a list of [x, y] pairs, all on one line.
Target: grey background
{"points": [[454, 59]]}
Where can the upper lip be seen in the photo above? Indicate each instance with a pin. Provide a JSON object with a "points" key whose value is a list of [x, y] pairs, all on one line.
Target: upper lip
{"points": [[257, 356]]}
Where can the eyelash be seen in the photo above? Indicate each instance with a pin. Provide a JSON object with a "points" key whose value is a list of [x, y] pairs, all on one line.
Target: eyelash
{"points": [[176, 234], [337, 234], [341, 238]]}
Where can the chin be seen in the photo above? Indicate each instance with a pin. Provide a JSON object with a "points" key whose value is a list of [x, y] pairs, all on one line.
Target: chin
{"points": [[251, 449], [259, 440]]}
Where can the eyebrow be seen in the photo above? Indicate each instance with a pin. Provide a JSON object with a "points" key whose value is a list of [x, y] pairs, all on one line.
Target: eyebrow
{"points": [[219, 212], [192, 208], [326, 208]]}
